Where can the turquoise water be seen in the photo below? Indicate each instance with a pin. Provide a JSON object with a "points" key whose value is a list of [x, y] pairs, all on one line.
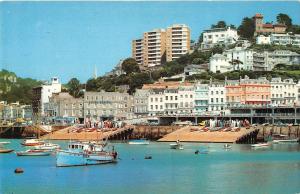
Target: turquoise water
{"points": [[239, 170]]}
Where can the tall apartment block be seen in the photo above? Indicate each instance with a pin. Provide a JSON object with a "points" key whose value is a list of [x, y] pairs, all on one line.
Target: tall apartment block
{"points": [[178, 41], [160, 45], [137, 50], [154, 47]]}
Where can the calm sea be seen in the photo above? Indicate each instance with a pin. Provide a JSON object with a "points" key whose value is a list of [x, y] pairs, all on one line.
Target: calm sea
{"points": [[239, 170]]}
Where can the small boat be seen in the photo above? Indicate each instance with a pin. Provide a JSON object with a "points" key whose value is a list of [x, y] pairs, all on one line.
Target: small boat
{"points": [[4, 142], [176, 146], [139, 142], [33, 152], [296, 140], [80, 154], [32, 142], [48, 146], [4, 151], [227, 146], [260, 145]]}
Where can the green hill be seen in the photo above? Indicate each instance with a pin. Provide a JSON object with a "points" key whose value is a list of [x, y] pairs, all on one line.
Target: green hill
{"points": [[14, 88]]}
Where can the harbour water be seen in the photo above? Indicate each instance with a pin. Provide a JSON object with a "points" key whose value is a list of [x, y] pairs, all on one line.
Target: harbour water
{"points": [[239, 170]]}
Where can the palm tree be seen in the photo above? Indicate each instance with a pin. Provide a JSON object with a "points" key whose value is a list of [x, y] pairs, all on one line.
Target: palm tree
{"points": [[235, 62]]}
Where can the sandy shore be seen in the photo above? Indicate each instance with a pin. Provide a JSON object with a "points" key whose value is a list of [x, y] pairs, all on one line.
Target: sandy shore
{"points": [[186, 135]]}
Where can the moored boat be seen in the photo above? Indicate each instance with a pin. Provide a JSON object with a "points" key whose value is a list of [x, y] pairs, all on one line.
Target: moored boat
{"points": [[80, 154], [260, 145], [4, 142], [286, 140], [33, 152], [227, 146], [48, 146], [139, 142], [32, 142], [4, 151], [177, 145]]}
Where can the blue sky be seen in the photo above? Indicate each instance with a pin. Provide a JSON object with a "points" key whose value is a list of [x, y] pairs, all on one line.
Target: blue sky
{"points": [[67, 39]]}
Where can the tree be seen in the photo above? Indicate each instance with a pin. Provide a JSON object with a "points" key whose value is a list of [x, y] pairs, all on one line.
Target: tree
{"points": [[220, 24], [247, 28], [284, 19], [137, 80], [129, 65], [74, 87], [236, 62]]}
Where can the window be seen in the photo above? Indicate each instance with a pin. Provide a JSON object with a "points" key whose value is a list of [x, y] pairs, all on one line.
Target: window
{"points": [[175, 97], [156, 99], [166, 97], [211, 100], [151, 107], [171, 97], [151, 99], [191, 96], [156, 107], [160, 99]]}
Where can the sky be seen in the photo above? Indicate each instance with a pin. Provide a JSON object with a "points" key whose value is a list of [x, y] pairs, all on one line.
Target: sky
{"points": [[68, 39]]}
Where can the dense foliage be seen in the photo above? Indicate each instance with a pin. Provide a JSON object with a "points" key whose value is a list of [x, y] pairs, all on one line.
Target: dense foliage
{"points": [[13, 88]]}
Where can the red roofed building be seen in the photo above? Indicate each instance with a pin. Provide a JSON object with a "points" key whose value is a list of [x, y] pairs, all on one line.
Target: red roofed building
{"points": [[261, 28]]}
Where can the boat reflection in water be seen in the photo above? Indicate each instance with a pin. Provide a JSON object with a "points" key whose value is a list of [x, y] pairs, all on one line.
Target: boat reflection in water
{"points": [[85, 153]]}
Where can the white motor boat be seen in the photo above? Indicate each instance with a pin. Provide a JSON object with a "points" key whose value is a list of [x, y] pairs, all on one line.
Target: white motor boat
{"points": [[47, 146], [260, 145]]}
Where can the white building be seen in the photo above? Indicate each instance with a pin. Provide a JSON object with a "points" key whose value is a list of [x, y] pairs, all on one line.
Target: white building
{"points": [[219, 63], [219, 36], [195, 69], [156, 101], [283, 92], [216, 97], [186, 96], [267, 60], [261, 39], [42, 94], [279, 39], [141, 102], [240, 57]]}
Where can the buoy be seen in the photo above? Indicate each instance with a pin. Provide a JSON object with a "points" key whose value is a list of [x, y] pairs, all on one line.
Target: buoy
{"points": [[19, 170], [148, 157], [197, 152]]}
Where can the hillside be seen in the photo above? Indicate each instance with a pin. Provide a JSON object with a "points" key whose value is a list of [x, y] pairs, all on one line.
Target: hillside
{"points": [[14, 88]]}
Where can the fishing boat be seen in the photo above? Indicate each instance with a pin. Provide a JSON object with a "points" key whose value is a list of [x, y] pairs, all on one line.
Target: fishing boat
{"points": [[260, 145], [33, 152], [82, 153], [48, 146], [177, 145], [4, 151], [227, 146], [139, 142], [32, 142]]}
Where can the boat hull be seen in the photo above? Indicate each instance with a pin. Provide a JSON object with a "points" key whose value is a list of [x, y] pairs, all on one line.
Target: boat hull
{"points": [[139, 142], [6, 151], [33, 153], [286, 141], [68, 158]]}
